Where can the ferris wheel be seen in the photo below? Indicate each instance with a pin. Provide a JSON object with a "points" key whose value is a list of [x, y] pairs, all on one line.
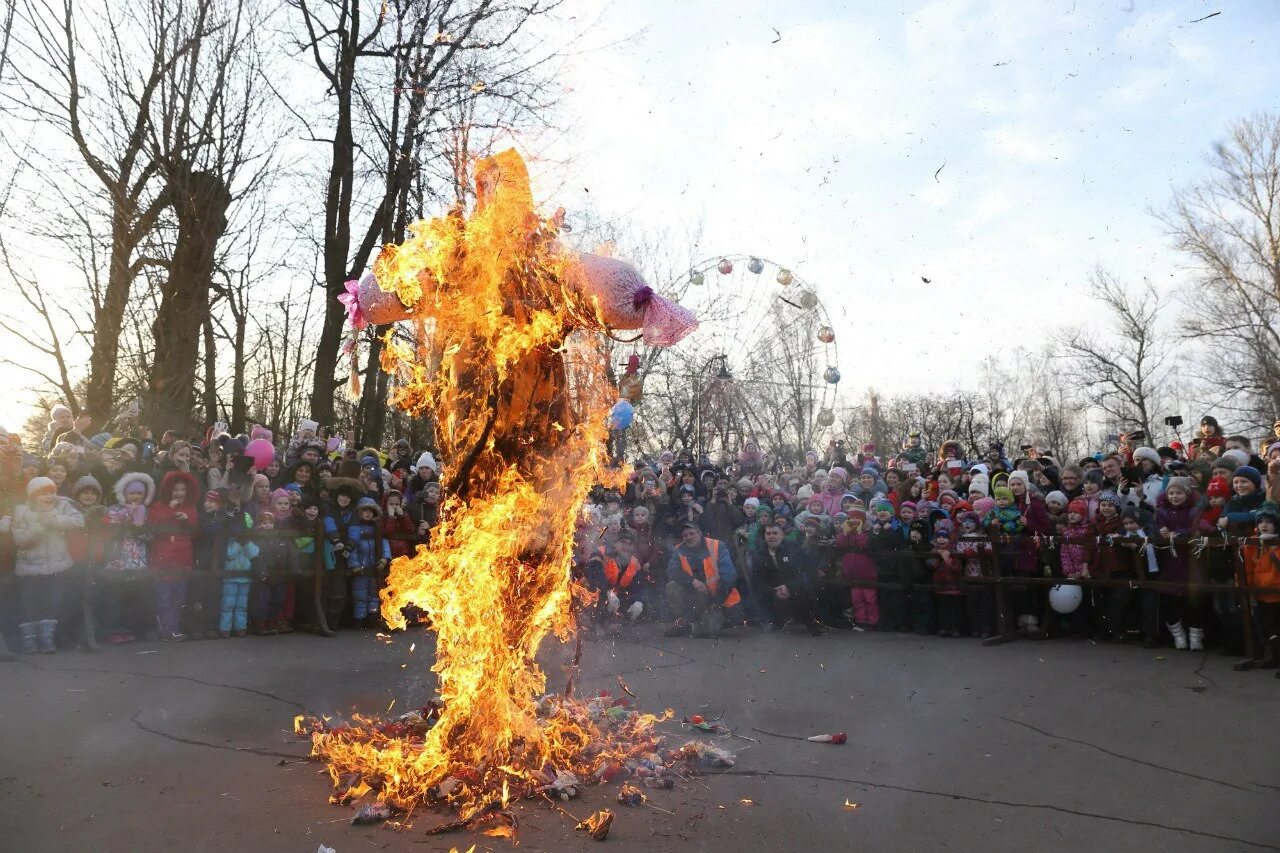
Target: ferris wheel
{"points": [[762, 364]]}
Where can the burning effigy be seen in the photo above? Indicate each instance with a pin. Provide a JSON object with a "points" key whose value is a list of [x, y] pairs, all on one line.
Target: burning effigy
{"points": [[505, 357]]}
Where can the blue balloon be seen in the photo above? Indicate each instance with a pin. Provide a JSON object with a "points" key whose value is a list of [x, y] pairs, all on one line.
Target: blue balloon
{"points": [[621, 415]]}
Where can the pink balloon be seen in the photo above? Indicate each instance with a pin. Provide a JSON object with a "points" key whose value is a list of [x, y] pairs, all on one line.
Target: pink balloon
{"points": [[261, 452]]}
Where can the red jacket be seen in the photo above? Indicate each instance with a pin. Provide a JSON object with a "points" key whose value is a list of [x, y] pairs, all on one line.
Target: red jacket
{"points": [[400, 524], [174, 549]]}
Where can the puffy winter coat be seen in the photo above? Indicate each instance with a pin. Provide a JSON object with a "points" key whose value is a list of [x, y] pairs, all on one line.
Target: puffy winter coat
{"points": [[41, 537], [175, 548]]}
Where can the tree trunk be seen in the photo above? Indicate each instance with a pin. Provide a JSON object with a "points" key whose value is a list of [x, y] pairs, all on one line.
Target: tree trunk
{"points": [[200, 202], [371, 414], [210, 372], [107, 320], [238, 404]]}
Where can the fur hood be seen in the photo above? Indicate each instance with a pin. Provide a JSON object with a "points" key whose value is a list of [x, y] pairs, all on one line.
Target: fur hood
{"points": [[172, 478], [136, 477]]}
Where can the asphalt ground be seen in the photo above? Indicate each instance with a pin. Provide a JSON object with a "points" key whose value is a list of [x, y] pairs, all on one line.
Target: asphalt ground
{"points": [[1044, 746]]}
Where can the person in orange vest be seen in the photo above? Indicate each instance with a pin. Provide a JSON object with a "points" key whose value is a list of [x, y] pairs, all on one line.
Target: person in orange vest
{"points": [[615, 575], [701, 584]]}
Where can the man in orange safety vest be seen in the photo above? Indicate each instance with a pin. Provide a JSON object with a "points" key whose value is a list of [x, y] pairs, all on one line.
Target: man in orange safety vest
{"points": [[614, 574], [700, 584]]}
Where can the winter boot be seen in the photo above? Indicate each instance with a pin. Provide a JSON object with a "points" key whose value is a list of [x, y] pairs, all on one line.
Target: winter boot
{"points": [[48, 631], [28, 630], [1179, 635], [1196, 639]]}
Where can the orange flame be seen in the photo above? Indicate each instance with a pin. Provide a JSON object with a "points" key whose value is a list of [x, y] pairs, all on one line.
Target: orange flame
{"points": [[520, 404]]}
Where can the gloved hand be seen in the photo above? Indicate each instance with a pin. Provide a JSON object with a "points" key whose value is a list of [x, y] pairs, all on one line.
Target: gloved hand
{"points": [[634, 611], [614, 604]]}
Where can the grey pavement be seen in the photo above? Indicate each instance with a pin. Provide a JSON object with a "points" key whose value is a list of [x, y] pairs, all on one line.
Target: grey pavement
{"points": [[1051, 746]]}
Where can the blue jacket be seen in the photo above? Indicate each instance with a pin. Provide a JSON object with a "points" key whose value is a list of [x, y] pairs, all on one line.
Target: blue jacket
{"points": [[724, 565], [240, 557], [362, 545]]}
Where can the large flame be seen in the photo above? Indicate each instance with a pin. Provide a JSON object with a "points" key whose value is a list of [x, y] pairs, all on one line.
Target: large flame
{"points": [[524, 441]]}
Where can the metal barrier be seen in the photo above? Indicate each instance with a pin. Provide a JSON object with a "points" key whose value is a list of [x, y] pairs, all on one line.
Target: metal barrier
{"points": [[994, 576], [325, 583]]}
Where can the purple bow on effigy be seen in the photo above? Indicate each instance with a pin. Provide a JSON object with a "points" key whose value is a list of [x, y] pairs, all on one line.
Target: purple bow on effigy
{"points": [[642, 298], [352, 301]]}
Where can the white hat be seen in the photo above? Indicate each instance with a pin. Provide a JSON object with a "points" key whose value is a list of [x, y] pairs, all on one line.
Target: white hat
{"points": [[1239, 456], [40, 484], [304, 424], [426, 460]]}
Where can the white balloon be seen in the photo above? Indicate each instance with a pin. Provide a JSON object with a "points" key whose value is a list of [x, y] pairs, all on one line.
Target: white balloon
{"points": [[1066, 598]]}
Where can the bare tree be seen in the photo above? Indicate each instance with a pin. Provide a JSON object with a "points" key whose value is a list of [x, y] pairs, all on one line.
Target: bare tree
{"points": [[387, 77], [132, 51], [1122, 373], [1228, 224], [40, 329]]}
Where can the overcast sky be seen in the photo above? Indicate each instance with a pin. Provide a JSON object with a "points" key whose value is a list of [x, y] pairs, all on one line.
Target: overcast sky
{"points": [[999, 149]]}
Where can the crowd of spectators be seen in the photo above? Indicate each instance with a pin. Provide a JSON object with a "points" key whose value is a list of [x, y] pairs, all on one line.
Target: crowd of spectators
{"points": [[184, 538]]}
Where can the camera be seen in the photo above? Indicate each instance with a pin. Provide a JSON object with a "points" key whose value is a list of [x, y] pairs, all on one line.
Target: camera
{"points": [[1174, 421]]}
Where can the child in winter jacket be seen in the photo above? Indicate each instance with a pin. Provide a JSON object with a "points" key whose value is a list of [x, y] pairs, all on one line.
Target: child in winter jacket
{"points": [[39, 528], [948, 568], [1177, 514], [885, 537], [1237, 516], [338, 518], [236, 582], [364, 560], [275, 567], [1261, 557], [971, 547], [173, 550], [126, 609], [1006, 520], [856, 564], [218, 515], [396, 522]]}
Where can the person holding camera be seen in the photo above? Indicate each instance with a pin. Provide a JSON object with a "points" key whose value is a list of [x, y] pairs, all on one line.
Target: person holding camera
{"points": [[720, 517]]}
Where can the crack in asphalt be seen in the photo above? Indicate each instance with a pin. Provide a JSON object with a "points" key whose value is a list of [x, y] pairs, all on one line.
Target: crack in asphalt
{"points": [[252, 750], [158, 676], [1008, 803], [1124, 757]]}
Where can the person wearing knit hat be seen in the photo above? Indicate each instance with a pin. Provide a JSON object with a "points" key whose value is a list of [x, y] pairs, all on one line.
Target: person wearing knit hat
{"points": [[1262, 569], [365, 559], [1249, 473], [1219, 487], [125, 604], [40, 530], [1177, 515], [1056, 498], [979, 485], [1236, 455]]}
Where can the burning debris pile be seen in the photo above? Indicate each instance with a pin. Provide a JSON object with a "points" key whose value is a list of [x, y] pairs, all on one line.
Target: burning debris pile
{"points": [[519, 395], [618, 743]]}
